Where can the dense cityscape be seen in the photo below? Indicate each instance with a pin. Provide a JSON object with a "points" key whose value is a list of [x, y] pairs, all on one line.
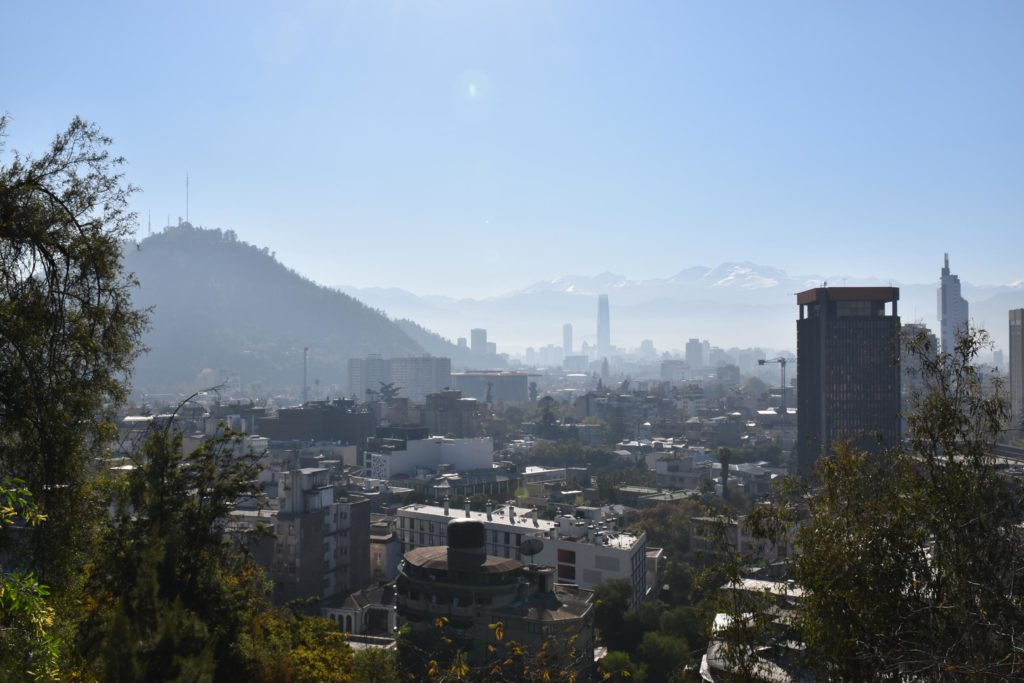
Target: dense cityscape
{"points": [[547, 344]]}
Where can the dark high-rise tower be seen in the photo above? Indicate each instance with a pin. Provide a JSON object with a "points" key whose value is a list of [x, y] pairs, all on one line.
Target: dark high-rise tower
{"points": [[952, 309], [848, 373], [1017, 371], [604, 329]]}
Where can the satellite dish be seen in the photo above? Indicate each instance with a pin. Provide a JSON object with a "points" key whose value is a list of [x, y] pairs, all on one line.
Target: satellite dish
{"points": [[531, 546]]}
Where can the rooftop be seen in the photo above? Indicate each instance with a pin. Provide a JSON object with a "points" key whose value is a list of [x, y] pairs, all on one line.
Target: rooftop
{"points": [[523, 516], [436, 558]]}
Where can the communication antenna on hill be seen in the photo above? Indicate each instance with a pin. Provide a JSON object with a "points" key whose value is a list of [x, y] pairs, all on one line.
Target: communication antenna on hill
{"points": [[186, 197], [149, 227]]}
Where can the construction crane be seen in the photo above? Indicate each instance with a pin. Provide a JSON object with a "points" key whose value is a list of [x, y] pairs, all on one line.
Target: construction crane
{"points": [[781, 360]]}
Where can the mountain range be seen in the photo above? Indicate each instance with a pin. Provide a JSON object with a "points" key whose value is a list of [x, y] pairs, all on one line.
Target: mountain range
{"points": [[733, 304], [222, 309]]}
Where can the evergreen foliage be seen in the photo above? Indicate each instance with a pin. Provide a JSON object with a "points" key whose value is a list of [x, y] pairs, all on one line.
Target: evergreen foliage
{"points": [[68, 331]]}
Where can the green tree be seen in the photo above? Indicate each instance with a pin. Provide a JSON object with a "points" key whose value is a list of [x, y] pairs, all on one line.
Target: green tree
{"points": [[68, 331], [168, 596], [547, 426], [617, 666], [276, 645], [612, 600], [663, 656], [913, 561], [388, 392], [28, 644], [374, 665]]}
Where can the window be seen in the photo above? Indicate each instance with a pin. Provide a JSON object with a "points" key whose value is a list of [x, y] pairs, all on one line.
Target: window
{"points": [[567, 555], [566, 571]]}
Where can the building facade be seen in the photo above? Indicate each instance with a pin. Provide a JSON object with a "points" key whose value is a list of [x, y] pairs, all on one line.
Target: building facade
{"points": [[415, 377], [430, 454], [322, 544], [952, 309], [848, 372], [583, 552], [695, 355], [911, 365], [1017, 371], [469, 591], [478, 341], [336, 421], [448, 413], [494, 386]]}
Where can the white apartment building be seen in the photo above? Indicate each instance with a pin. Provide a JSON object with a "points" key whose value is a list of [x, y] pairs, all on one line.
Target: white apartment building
{"points": [[428, 454], [583, 552]]}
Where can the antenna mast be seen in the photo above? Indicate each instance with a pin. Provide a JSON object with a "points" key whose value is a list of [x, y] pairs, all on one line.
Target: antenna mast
{"points": [[186, 197]]}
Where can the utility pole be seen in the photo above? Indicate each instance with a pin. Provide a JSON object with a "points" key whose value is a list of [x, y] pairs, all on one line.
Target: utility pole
{"points": [[305, 369]]}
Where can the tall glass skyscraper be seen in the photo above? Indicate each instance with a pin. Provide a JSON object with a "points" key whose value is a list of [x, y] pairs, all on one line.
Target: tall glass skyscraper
{"points": [[952, 309]]}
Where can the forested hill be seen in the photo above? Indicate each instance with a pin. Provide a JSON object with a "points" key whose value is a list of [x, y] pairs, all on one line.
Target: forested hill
{"points": [[223, 308]]}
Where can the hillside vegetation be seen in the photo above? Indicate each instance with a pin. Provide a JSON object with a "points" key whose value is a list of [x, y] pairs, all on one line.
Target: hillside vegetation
{"points": [[222, 308]]}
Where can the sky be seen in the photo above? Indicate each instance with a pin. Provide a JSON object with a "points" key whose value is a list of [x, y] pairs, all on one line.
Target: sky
{"points": [[472, 148]]}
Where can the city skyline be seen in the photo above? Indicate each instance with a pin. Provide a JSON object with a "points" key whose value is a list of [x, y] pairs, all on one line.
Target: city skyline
{"points": [[677, 134]]}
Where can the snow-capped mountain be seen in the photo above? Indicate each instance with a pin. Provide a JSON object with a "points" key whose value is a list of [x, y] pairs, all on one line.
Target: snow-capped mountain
{"points": [[731, 304]]}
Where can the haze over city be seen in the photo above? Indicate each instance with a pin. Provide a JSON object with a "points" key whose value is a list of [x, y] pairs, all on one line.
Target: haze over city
{"points": [[511, 342]]}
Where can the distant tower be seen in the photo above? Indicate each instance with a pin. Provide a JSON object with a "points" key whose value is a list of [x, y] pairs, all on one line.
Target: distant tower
{"points": [[604, 328], [567, 339], [952, 309], [478, 341], [1017, 371], [848, 372], [695, 356]]}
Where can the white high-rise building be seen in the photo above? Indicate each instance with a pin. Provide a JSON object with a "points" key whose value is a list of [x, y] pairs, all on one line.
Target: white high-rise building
{"points": [[604, 327], [952, 309]]}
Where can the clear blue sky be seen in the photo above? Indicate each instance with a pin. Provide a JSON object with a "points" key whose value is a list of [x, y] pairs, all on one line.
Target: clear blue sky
{"points": [[472, 147]]}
